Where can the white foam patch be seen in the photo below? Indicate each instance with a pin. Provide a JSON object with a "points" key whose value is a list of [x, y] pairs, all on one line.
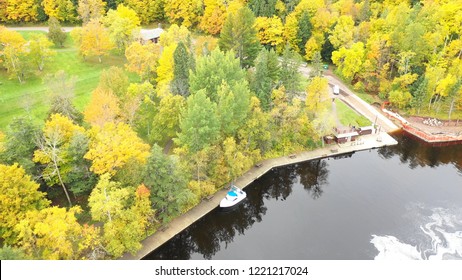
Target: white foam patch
{"points": [[444, 230]]}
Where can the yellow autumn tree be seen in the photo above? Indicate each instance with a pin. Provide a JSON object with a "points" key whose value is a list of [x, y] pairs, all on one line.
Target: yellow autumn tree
{"points": [[112, 146], [270, 31], [313, 45], [54, 234], [165, 69], [184, 12], [18, 194], [90, 9], [142, 59], [103, 107], [52, 149], [174, 35], [317, 95], [63, 10], [204, 45], [93, 40], [21, 10], [214, 16]]}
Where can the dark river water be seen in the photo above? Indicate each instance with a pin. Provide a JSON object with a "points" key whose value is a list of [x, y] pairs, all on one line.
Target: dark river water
{"points": [[401, 202]]}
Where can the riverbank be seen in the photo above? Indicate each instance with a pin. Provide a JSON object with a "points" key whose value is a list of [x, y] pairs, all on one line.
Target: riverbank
{"points": [[429, 130], [366, 142]]}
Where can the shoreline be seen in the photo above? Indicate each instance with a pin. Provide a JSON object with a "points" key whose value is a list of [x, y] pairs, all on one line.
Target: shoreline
{"points": [[177, 225]]}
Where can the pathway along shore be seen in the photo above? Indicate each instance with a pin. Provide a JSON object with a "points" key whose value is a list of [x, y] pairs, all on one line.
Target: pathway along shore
{"points": [[180, 223]]}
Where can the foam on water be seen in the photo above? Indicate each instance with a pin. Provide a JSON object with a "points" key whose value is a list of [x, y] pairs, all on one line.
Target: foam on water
{"points": [[436, 236]]}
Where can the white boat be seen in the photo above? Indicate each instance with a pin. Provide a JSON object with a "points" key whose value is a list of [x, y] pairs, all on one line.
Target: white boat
{"points": [[233, 197]]}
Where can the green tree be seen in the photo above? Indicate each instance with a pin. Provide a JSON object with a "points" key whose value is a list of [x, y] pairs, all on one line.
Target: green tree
{"points": [[211, 71], [419, 93], [61, 93], [125, 213], [290, 77], [166, 122], [114, 79], [39, 50], [266, 76], [239, 34], [233, 106], [79, 178], [167, 183], [11, 253], [18, 194], [263, 8], [182, 64], [19, 143], [304, 31], [199, 124], [55, 32], [255, 133]]}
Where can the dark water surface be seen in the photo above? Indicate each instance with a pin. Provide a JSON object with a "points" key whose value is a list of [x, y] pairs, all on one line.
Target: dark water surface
{"points": [[396, 202]]}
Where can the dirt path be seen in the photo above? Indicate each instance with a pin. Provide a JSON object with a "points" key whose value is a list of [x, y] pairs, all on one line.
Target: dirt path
{"points": [[39, 28]]}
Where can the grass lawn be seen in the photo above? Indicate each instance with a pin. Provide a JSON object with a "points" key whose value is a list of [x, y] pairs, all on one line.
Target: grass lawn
{"points": [[348, 116], [31, 97]]}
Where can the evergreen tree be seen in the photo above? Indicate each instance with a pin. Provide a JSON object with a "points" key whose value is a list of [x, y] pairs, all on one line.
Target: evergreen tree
{"points": [[263, 8], [19, 145], [167, 183], [289, 75], [304, 31], [55, 33], [233, 106], [181, 66], [317, 64], [327, 49], [239, 34], [199, 124], [266, 76], [419, 93]]}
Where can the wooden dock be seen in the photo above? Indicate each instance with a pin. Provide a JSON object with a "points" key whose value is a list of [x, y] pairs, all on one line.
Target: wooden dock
{"points": [[180, 223]]}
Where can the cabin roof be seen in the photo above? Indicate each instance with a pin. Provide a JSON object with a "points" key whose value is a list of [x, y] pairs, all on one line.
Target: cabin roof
{"points": [[149, 34]]}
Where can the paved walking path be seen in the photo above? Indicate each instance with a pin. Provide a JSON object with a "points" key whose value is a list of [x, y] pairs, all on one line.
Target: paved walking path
{"points": [[359, 105], [365, 142]]}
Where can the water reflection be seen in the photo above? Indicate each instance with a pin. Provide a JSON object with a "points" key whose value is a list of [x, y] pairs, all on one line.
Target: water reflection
{"points": [[415, 153], [311, 228], [313, 176]]}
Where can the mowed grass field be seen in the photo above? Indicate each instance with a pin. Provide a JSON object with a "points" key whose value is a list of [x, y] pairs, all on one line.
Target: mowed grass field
{"points": [[348, 116], [31, 97]]}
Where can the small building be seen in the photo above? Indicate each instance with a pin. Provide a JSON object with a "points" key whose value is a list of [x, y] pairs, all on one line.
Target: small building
{"points": [[365, 130], [345, 134], [329, 139], [346, 137], [152, 35]]}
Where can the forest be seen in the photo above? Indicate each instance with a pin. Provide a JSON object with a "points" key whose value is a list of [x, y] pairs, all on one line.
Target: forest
{"points": [[168, 124]]}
